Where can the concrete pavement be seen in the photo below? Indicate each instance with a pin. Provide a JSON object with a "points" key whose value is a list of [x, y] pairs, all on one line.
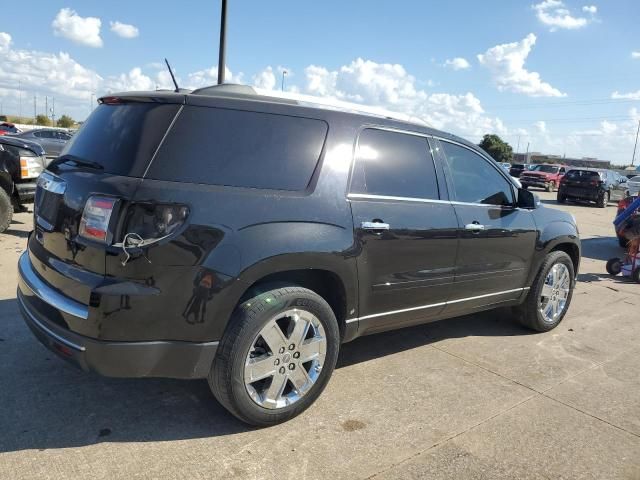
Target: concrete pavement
{"points": [[471, 397]]}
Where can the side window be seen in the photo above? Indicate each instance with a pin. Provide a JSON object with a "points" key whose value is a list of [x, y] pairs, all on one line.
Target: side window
{"points": [[562, 171], [39, 134], [474, 179], [394, 164], [238, 148]]}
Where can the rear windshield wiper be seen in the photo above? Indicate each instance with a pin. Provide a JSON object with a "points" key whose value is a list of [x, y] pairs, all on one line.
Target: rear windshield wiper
{"points": [[76, 161]]}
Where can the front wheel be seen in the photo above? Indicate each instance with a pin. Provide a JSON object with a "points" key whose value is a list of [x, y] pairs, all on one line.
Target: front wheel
{"points": [[550, 294], [614, 266], [6, 210], [603, 200], [276, 357]]}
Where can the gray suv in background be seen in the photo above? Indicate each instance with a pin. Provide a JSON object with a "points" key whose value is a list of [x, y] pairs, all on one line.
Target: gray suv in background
{"points": [[52, 140]]}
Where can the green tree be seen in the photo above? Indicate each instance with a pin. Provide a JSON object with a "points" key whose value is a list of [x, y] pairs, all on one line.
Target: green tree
{"points": [[65, 121], [43, 120], [3, 118], [499, 150]]}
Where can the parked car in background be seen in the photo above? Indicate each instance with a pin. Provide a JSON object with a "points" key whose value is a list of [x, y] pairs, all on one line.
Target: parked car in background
{"points": [[633, 184], [52, 140], [21, 162], [593, 185], [8, 129], [130, 272], [543, 176], [517, 169]]}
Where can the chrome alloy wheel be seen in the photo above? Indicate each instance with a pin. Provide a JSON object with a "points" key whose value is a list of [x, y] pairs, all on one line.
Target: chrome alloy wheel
{"points": [[555, 291], [285, 359]]}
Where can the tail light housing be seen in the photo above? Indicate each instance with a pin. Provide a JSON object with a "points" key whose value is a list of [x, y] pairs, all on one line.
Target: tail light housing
{"points": [[96, 216]]}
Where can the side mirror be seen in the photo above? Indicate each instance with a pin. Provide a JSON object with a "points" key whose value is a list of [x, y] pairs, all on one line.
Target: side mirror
{"points": [[527, 200]]}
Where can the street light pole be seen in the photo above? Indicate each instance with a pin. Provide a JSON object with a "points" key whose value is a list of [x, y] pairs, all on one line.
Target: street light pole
{"points": [[633, 159], [223, 43], [284, 72]]}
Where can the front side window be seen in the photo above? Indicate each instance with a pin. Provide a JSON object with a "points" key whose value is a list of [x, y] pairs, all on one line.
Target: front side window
{"points": [[394, 164], [474, 179]]}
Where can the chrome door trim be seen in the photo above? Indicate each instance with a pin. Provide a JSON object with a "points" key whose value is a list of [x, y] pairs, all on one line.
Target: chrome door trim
{"points": [[366, 196], [433, 305]]}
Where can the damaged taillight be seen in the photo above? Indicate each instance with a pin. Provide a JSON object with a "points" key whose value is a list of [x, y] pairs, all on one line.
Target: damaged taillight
{"points": [[96, 216], [152, 221]]}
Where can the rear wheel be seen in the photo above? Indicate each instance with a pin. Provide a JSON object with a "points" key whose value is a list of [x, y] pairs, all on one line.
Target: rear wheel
{"points": [[550, 295], [614, 266], [6, 210], [276, 357]]}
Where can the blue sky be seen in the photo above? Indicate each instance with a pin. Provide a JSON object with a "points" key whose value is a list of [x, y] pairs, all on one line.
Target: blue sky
{"points": [[559, 75]]}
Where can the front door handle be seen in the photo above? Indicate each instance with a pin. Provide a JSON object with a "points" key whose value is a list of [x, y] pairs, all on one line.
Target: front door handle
{"points": [[375, 226], [474, 227]]}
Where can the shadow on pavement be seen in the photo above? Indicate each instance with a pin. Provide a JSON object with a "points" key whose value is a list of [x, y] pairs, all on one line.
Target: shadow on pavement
{"points": [[602, 248], [47, 403], [16, 233]]}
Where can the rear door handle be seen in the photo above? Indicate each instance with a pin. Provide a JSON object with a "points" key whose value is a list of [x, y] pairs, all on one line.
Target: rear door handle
{"points": [[376, 226], [474, 227]]}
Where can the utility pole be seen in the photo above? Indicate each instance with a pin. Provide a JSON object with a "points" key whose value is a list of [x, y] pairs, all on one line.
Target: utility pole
{"points": [[19, 99], [223, 43], [284, 72], [35, 109], [53, 111], [633, 159], [527, 157], [46, 106], [518, 147]]}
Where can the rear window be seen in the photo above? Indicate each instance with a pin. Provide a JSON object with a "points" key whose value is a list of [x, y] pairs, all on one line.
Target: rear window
{"points": [[122, 138], [582, 174], [238, 148]]}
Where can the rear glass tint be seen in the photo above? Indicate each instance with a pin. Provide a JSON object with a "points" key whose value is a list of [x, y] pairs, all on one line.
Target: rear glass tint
{"points": [[122, 138], [239, 148], [582, 174]]}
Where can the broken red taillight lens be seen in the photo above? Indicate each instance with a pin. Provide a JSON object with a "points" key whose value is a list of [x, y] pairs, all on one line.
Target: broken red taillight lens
{"points": [[96, 216]]}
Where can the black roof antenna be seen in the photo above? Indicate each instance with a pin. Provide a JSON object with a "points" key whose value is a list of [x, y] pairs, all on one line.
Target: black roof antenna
{"points": [[171, 73]]}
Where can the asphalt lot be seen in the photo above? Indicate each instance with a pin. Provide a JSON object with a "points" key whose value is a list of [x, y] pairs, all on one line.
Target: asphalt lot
{"points": [[472, 397]]}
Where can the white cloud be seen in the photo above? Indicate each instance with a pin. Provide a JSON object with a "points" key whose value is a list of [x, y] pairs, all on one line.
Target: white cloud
{"points": [[391, 87], [133, 80], [626, 96], [81, 30], [124, 30], [266, 79], [457, 63], [506, 63], [209, 76], [635, 55], [554, 14]]}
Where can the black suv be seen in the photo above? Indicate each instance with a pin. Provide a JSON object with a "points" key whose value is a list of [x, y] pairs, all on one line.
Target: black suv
{"points": [[224, 235], [21, 162], [593, 185]]}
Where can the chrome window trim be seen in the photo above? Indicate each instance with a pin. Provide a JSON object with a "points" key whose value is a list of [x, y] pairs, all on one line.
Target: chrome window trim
{"points": [[440, 304], [365, 196]]}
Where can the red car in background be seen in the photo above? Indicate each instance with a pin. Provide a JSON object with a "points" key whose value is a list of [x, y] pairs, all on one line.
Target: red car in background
{"points": [[544, 176], [7, 127]]}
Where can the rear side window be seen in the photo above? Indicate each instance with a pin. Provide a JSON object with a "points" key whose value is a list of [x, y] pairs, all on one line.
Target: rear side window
{"points": [[123, 137], [241, 149], [394, 164]]}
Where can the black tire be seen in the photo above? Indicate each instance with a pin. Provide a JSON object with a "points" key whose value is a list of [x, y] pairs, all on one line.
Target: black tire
{"points": [[635, 275], [528, 313], [226, 378], [614, 266], [561, 198], [603, 200], [6, 210]]}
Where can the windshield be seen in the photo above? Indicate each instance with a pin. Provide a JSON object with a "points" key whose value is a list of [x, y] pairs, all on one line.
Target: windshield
{"points": [[546, 169]]}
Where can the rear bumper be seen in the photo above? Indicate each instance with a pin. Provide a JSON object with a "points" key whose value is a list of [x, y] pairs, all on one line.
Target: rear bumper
{"points": [[171, 359], [580, 193]]}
